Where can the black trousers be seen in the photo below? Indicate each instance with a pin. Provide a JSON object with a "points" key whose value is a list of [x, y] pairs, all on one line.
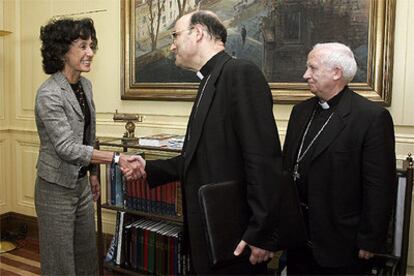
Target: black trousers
{"points": [[300, 261]]}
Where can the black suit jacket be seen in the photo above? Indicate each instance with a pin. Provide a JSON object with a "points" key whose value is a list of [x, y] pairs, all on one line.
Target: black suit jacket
{"points": [[351, 180], [233, 137]]}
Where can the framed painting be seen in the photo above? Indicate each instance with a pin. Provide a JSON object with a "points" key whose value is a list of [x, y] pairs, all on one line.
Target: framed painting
{"points": [[274, 34]]}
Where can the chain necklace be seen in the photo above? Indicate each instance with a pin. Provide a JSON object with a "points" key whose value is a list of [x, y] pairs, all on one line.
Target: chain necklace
{"points": [[196, 106], [301, 155], [201, 95], [80, 95]]}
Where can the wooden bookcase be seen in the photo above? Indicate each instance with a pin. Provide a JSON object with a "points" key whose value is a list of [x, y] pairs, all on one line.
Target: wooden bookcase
{"points": [[149, 153]]}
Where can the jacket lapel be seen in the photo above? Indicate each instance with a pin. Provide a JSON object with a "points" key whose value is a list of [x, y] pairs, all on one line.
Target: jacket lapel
{"points": [[68, 93], [200, 113], [335, 125]]}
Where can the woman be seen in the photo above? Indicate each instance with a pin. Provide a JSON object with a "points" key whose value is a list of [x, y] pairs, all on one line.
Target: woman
{"points": [[65, 119]]}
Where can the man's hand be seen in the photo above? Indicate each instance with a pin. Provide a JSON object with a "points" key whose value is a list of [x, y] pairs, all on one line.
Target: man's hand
{"points": [[257, 256], [362, 254], [133, 167], [95, 187]]}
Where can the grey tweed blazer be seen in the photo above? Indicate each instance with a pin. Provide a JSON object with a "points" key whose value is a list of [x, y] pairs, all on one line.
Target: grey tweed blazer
{"points": [[60, 124]]}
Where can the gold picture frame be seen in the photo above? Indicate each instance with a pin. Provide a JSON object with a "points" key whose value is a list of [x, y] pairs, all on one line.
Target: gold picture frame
{"points": [[369, 25]]}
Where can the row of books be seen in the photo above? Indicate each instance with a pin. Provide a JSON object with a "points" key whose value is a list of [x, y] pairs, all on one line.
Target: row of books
{"points": [[162, 200], [162, 140], [147, 245]]}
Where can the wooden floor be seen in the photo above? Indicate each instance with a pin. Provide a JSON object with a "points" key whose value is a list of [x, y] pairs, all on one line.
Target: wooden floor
{"points": [[25, 260]]}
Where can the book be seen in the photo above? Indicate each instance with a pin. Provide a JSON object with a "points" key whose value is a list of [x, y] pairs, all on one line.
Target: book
{"points": [[119, 257], [108, 184], [110, 255], [156, 140], [116, 185], [126, 246], [119, 187]]}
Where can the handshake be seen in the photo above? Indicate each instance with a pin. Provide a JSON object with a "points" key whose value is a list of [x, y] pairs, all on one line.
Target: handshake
{"points": [[132, 167]]}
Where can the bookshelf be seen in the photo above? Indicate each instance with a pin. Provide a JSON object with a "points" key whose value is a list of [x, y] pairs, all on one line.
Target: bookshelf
{"points": [[114, 144]]}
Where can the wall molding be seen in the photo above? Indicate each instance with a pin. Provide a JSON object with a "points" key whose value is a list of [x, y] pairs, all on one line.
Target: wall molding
{"points": [[4, 176], [403, 135], [25, 160], [404, 138]]}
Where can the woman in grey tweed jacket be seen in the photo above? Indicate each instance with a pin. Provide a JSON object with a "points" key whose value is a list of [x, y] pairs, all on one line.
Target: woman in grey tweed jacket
{"points": [[65, 119]]}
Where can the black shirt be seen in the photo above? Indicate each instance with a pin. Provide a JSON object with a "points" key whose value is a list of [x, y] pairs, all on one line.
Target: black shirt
{"points": [[320, 117], [83, 103]]}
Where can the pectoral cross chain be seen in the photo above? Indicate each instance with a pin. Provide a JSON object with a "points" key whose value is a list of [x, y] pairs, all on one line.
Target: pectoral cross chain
{"points": [[296, 174], [301, 155]]}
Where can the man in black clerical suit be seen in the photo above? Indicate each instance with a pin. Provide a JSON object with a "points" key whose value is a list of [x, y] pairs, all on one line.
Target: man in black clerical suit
{"points": [[339, 147], [231, 135]]}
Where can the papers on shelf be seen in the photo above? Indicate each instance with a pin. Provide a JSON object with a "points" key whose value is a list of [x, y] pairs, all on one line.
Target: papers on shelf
{"points": [[176, 142], [162, 140]]}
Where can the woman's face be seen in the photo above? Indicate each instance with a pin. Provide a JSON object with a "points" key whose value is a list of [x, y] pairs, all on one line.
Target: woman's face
{"points": [[79, 57]]}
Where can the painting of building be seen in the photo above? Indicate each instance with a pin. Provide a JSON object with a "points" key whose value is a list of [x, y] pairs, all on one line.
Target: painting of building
{"points": [[274, 34]]}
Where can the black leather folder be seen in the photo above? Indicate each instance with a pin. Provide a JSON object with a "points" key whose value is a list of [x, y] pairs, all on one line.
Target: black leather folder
{"points": [[225, 217]]}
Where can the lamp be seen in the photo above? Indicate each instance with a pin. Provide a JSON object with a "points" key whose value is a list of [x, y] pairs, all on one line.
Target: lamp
{"points": [[129, 135], [4, 33], [6, 246]]}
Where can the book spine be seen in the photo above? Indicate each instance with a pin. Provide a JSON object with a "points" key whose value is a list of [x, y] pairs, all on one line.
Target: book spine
{"points": [[140, 248], [145, 250], [108, 183], [116, 236], [180, 258], [126, 242], [119, 191], [133, 247], [111, 251], [113, 184], [178, 199], [120, 231], [158, 200]]}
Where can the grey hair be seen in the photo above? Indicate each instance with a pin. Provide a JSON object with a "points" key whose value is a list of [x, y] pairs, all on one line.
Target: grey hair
{"points": [[338, 55], [211, 21]]}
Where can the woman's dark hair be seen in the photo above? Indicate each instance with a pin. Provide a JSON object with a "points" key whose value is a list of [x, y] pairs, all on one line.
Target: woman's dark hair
{"points": [[214, 26], [57, 37]]}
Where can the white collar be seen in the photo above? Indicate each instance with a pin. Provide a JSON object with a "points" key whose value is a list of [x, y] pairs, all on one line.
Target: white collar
{"points": [[323, 104], [199, 75]]}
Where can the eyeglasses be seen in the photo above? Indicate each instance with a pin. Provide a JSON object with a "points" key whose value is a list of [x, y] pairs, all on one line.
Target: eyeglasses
{"points": [[174, 34]]}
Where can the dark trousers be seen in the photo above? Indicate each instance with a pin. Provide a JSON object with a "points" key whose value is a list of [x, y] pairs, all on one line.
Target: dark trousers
{"points": [[300, 261]]}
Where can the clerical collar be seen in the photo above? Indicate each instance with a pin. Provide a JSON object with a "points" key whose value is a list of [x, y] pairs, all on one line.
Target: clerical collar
{"points": [[332, 102], [208, 67], [323, 104], [199, 75]]}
